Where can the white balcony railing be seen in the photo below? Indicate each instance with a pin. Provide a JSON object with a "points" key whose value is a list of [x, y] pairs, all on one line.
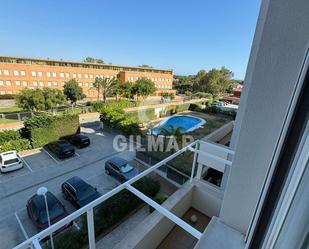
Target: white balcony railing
{"points": [[34, 242]]}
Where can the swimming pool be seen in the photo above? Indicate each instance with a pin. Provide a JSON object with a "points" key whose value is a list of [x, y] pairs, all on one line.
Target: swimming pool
{"points": [[186, 122]]}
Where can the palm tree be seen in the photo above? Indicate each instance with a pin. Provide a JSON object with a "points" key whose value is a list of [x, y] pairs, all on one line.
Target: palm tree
{"points": [[97, 86], [173, 132], [105, 86]]}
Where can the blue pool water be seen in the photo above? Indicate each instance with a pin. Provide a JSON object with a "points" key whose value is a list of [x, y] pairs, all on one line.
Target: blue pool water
{"points": [[187, 123]]}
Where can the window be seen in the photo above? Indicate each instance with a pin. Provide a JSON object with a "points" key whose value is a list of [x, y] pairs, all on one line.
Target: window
{"points": [[74, 75], [55, 83], [17, 83], [62, 83], [67, 75], [1, 82], [48, 74], [40, 74], [79, 75], [10, 92], [97, 76], [16, 73], [8, 82], [91, 76], [62, 75], [80, 84], [41, 83], [49, 83], [23, 73], [2, 92], [33, 73], [6, 72], [54, 74], [25, 83], [86, 76], [34, 83], [86, 84], [0, 72]]}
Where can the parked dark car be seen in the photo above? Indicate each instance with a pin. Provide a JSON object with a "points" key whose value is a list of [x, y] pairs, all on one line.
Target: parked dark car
{"points": [[36, 210], [80, 140], [79, 192], [62, 149], [120, 169]]}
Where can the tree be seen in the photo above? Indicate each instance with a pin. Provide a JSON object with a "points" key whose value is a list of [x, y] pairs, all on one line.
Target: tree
{"points": [[144, 65], [53, 98], [29, 99], [90, 60], [97, 86], [126, 90], [144, 87], [214, 81], [106, 86], [183, 83], [93, 60], [73, 91], [39, 99]]}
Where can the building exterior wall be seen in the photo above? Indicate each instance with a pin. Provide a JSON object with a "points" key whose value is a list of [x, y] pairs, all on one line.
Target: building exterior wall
{"points": [[277, 56], [33, 73], [162, 81]]}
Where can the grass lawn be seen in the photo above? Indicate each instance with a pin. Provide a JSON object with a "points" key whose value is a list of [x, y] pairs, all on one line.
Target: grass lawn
{"points": [[10, 109], [184, 161], [7, 121]]}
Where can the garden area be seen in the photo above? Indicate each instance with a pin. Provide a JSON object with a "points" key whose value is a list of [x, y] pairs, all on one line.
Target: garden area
{"points": [[38, 131]]}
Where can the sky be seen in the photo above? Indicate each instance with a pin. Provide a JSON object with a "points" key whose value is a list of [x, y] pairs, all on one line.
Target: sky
{"points": [[183, 35]]}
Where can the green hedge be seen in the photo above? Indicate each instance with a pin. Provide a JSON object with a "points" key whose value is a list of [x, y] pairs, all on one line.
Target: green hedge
{"points": [[115, 117], [108, 214], [6, 136], [122, 103], [45, 128], [214, 109], [18, 145], [142, 116], [182, 107]]}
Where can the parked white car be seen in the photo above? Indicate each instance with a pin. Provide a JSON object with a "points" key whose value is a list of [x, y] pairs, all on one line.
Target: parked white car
{"points": [[218, 104], [10, 161]]}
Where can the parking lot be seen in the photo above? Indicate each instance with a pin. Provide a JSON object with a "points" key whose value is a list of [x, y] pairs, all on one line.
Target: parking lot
{"points": [[43, 168]]}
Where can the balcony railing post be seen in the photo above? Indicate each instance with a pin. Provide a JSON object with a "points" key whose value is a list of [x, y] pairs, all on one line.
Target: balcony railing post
{"points": [[90, 224], [36, 244], [194, 161]]}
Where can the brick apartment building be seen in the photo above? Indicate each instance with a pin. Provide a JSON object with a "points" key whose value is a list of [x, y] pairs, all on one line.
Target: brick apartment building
{"points": [[17, 73]]}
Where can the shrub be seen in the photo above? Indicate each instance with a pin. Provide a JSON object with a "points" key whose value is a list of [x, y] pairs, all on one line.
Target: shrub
{"points": [[188, 93], [18, 145], [6, 136], [98, 105], [142, 116], [202, 95], [115, 117], [109, 213], [129, 126], [159, 199], [45, 128], [214, 109], [182, 107]]}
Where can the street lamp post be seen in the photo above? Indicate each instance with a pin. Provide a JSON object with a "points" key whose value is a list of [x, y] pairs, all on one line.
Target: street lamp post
{"points": [[42, 191]]}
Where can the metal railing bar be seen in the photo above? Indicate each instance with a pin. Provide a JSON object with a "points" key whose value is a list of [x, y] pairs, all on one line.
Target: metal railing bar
{"points": [[165, 212]]}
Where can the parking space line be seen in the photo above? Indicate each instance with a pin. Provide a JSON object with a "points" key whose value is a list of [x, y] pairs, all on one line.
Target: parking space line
{"points": [[78, 155], [28, 166], [21, 226], [51, 156]]}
